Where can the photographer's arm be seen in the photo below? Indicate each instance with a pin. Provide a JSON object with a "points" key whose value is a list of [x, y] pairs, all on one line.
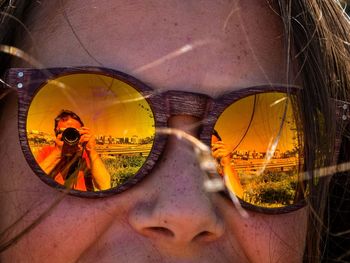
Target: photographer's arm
{"points": [[100, 176], [50, 156], [231, 177], [232, 181]]}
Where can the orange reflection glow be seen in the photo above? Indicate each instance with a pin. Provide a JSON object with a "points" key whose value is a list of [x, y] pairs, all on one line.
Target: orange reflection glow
{"points": [[247, 129], [266, 122], [107, 106], [118, 116]]}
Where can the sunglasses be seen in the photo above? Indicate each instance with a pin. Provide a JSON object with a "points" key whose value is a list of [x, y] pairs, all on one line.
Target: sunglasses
{"points": [[255, 134]]}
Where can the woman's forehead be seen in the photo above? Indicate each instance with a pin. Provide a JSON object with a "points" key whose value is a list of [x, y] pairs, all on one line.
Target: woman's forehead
{"points": [[203, 46]]}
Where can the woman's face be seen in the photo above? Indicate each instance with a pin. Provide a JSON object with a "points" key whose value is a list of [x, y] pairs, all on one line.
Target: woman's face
{"points": [[207, 47]]}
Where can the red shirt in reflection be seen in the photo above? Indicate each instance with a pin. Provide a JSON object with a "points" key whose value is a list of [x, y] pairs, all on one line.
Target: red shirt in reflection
{"points": [[59, 177]]}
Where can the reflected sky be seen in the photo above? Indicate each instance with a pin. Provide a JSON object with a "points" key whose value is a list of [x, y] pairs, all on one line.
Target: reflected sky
{"points": [[106, 105], [266, 122]]}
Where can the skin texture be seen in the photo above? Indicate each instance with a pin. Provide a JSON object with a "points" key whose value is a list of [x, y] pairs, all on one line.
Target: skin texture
{"points": [[168, 217]]}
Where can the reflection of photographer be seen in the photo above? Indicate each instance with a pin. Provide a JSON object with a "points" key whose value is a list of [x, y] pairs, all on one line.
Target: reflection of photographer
{"points": [[222, 155], [73, 160]]}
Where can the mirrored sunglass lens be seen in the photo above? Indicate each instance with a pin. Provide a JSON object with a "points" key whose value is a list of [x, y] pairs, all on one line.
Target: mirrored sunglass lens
{"points": [[90, 132], [256, 143]]}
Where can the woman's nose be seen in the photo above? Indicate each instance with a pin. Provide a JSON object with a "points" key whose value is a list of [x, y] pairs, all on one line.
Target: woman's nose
{"points": [[176, 208]]}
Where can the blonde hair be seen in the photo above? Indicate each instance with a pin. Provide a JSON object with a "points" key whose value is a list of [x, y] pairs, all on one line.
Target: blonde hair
{"points": [[318, 33]]}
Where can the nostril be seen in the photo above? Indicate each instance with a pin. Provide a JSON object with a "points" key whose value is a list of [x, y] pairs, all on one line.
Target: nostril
{"points": [[204, 236], [161, 230]]}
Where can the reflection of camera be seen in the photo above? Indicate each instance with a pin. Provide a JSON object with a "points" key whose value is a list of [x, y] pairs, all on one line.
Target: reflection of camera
{"points": [[71, 136]]}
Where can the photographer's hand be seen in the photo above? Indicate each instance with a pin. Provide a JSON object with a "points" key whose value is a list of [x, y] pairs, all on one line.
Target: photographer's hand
{"points": [[59, 142], [87, 139], [221, 152], [55, 156]]}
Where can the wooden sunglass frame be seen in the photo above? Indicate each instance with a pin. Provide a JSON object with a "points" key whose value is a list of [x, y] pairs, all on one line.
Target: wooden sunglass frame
{"points": [[28, 82]]}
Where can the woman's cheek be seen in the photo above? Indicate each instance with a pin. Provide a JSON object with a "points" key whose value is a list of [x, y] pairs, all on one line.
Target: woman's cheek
{"points": [[270, 238], [53, 225]]}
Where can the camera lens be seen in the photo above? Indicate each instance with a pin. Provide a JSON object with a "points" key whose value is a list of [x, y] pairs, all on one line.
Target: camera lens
{"points": [[71, 136]]}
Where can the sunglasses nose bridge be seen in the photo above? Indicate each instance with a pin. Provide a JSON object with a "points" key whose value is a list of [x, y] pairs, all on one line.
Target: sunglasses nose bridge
{"points": [[187, 103]]}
